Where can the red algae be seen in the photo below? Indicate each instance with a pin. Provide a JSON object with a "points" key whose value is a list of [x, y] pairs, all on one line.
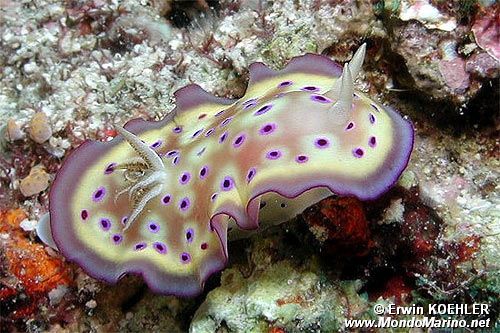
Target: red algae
{"points": [[466, 249], [106, 134], [396, 287], [420, 231], [30, 273], [276, 329], [340, 225]]}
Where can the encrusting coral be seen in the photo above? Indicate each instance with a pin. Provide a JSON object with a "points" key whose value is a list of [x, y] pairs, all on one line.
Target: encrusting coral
{"points": [[159, 199]]}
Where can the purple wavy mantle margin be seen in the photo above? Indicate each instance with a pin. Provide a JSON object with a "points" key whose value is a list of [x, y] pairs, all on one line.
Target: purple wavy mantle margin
{"points": [[187, 97]]}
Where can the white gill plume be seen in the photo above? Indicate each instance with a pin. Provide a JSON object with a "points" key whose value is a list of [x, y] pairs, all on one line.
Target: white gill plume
{"points": [[149, 178]]}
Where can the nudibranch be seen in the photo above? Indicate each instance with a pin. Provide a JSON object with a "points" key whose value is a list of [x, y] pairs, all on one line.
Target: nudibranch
{"points": [[158, 199]]}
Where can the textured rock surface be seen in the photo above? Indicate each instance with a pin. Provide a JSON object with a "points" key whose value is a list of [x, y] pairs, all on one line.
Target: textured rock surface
{"points": [[435, 44], [293, 295]]}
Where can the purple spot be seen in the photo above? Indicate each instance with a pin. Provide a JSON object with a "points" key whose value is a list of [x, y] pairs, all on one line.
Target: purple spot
{"points": [[84, 214], [190, 235], [226, 121], [320, 99], [372, 142], [202, 150], [250, 101], [250, 105], [195, 134], [124, 220], [140, 246], [301, 159], [358, 152], [185, 257], [204, 246], [177, 129], [267, 129], [110, 168], [99, 194], [285, 84], [176, 159], [154, 227], [372, 118], [223, 137], [117, 238], [321, 143], [201, 116], [219, 113], [375, 107], [172, 153], [273, 155], [239, 140], [250, 174], [184, 204], [156, 144], [105, 224], [204, 172], [214, 196], [227, 183], [209, 132], [184, 178], [310, 88], [263, 110], [166, 199], [350, 126], [160, 247]]}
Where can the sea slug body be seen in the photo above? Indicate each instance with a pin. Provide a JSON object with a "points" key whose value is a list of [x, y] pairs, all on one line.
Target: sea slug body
{"points": [[158, 199]]}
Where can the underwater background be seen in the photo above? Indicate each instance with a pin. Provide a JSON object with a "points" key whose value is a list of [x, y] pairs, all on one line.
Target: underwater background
{"points": [[74, 70]]}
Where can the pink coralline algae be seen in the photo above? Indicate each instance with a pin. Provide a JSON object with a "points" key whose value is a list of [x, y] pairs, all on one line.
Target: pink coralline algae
{"points": [[486, 30], [483, 65], [158, 199], [453, 72]]}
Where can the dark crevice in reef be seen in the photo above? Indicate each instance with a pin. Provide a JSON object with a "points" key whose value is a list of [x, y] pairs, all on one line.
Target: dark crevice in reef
{"points": [[483, 112], [402, 259], [387, 256], [240, 256], [211, 283], [182, 13], [480, 114], [134, 298]]}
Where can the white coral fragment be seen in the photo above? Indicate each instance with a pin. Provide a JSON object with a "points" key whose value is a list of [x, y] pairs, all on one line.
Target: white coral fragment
{"points": [[425, 13]]}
